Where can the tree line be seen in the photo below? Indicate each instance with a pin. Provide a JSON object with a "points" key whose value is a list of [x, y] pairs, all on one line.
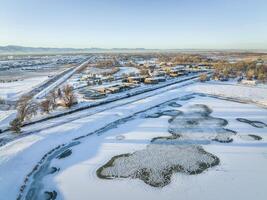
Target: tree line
{"points": [[247, 69], [27, 106]]}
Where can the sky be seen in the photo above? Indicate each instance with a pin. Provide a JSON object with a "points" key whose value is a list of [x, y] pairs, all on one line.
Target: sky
{"points": [[161, 24]]}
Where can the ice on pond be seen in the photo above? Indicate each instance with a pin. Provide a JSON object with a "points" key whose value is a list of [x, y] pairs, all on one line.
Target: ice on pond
{"points": [[196, 122], [256, 124], [179, 152], [171, 113], [156, 164], [174, 104], [250, 137]]}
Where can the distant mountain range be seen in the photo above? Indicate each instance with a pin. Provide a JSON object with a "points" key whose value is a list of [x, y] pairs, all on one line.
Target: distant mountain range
{"points": [[12, 49]]}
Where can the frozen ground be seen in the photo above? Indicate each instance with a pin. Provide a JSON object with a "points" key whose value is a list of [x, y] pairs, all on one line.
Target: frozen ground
{"points": [[68, 156], [13, 90], [237, 91], [6, 116]]}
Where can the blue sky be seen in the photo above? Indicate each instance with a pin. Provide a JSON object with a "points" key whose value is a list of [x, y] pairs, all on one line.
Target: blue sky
{"points": [[238, 24]]}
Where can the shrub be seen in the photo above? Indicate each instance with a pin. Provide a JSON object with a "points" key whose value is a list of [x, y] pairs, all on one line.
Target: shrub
{"points": [[26, 107], [52, 97], [68, 96], [250, 74], [262, 77], [203, 77], [15, 125], [45, 106]]}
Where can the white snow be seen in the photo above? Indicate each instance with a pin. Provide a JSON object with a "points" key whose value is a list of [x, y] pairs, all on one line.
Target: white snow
{"points": [[240, 175], [6, 117], [13, 90], [242, 92], [126, 70], [242, 163]]}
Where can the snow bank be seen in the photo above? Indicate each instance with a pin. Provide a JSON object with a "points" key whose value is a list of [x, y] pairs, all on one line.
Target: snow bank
{"points": [[245, 93]]}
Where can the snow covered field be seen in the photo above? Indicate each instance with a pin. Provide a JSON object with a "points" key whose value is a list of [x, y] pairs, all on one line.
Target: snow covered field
{"points": [[234, 90], [6, 117], [13, 90], [67, 157]]}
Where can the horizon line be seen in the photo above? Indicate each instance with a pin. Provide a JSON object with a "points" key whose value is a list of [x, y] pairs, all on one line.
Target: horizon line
{"points": [[133, 48]]}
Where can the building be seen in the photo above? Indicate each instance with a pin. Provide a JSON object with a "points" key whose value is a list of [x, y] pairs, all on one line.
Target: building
{"points": [[154, 80], [249, 82], [135, 79]]}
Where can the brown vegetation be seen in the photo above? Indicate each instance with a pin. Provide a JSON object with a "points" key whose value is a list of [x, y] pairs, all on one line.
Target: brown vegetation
{"points": [[249, 69], [68, 96], [105, 64], [26, 107], [203, 77], [15, 125], [45, 106]]}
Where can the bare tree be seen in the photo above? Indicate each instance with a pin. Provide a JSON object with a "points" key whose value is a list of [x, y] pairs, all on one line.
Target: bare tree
{"points": [[68, 96], [250, 74], [144, 72], [52, 97], [262, 77], [203, 77], [15, 125], [45, 106], [59, 93], [26, 107]]}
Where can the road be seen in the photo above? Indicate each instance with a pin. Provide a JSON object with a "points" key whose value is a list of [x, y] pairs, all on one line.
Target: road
{"points": [[60, 80]]}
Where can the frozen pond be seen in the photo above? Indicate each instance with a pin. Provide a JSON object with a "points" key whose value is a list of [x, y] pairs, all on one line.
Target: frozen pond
{"points": [[185, 148]]}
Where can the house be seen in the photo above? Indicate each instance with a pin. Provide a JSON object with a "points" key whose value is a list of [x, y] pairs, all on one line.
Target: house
{"points": [[101, 90], [62, 103], [175, 74], [154, 80], [135, 79], [113, 89], [92, 94], [151, 81], [130, 85], [159, 73], [249, 82]]}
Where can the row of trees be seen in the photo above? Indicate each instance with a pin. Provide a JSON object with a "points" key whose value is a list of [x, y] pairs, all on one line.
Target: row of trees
{"points": [[27, 107], [179, 58], [105, 64], [249, 69]]}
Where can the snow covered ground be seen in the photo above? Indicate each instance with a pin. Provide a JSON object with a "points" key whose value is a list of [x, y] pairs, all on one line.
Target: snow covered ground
{"points": [[68, 156], [6, 117], [126, 70], [233, 90], [13, 90], [240, 161]]}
